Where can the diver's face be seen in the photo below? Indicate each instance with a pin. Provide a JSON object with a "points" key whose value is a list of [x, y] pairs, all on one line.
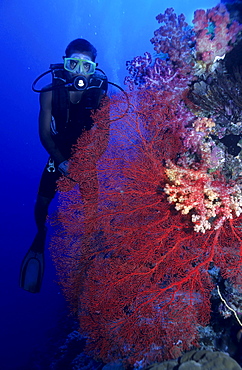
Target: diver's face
{"points": [[84, 72]]}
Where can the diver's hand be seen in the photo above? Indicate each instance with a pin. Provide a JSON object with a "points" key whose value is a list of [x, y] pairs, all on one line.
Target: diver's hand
{"points": [[63, 168]]}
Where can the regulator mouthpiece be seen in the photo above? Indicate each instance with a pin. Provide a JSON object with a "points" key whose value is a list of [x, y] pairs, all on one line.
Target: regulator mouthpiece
{"points": [[80, 83]]}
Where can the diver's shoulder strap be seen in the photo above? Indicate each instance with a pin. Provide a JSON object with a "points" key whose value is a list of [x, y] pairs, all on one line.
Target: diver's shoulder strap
{"points": [[60, 97], [96, 90], [58, 73]]}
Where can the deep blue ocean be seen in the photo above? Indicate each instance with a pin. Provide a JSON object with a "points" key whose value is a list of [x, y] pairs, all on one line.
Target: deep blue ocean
{"points": [[33, 35]]}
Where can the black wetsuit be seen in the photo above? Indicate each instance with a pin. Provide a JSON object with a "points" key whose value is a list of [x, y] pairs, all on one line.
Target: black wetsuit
{"points": [[65, 135]]}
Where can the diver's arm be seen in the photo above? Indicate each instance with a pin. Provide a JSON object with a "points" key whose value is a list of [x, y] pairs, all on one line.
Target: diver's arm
{"points": [[45, 127]]}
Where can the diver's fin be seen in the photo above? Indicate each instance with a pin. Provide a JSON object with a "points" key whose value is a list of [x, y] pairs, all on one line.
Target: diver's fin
{"points": [[32, 267], [32, 271]]}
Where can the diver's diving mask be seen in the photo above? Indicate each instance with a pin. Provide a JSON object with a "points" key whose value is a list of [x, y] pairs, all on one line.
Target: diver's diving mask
{"points": [[79, 66]]}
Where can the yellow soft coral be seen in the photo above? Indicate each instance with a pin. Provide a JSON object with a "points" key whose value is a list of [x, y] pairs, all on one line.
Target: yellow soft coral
{"points": [[203, 124], [211, 202]]}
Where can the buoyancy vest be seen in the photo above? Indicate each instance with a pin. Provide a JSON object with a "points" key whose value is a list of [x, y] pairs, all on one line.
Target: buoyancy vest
{"points": [[70, 120]]}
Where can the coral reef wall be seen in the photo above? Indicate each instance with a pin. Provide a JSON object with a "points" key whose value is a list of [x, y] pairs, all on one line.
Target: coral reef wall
{"points": [[135, 236]]}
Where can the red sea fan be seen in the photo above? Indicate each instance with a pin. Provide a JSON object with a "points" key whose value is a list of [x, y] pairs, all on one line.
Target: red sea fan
{"points": [[137, 273]]}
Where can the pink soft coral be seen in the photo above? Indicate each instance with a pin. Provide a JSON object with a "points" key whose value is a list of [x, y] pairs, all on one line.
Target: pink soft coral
{"points": [[214, 33]]}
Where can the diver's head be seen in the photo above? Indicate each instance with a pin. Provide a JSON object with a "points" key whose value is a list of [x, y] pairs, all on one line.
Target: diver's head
{"points": [[80, 59], [81, 46]]}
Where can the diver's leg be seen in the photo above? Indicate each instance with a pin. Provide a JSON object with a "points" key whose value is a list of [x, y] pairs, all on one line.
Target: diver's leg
{"points": [[46, 193], [40, 212], [32, 267]]}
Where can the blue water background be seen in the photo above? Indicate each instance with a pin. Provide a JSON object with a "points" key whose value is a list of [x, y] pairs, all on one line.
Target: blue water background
{"points": [[34, 34]]}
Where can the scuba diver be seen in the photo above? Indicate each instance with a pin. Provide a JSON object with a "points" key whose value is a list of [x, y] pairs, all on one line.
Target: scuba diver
{"points": [[65, 113]]}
